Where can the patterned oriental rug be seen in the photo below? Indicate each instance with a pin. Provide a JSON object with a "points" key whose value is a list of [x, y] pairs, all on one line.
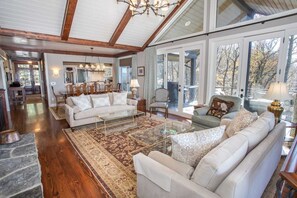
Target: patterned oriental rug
{"points": [[110, 157], [58, 114]]}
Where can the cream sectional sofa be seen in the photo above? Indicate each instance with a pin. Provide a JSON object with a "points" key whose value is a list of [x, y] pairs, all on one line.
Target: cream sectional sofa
{"points": [[239, 167], [76, 117]]}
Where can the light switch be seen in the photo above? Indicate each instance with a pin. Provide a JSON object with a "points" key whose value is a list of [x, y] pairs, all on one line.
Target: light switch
{"points": [[53, 83]]}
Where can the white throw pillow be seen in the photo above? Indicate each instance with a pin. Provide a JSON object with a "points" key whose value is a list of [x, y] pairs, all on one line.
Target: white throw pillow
{"points": [[119, 98], [190, 148], [242, 120], [101, 102], [82, 102]]}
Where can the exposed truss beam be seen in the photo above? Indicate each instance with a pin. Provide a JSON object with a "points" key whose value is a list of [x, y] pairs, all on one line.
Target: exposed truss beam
{"points": [[121, 26], [30, 49], [68, 18], [53, 38], [245, 7], [124, 54], [224, 6], [174, 11]]}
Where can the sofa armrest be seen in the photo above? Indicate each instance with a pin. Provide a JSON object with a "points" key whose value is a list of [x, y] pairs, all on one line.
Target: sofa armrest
{"points": [[230, 115], [69, 114], [132, 102], [201, 111], [225, 121], [169, 182], [181, 168]]}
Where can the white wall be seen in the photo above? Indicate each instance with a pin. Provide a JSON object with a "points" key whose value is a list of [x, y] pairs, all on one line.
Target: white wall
{"points": [[141, 62], [55, 61]]}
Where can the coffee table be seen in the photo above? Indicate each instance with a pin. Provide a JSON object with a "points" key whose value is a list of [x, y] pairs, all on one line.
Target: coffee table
{"points": [[122, 117]]}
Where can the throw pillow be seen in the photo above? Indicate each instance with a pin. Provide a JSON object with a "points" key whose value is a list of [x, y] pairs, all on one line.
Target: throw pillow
{"points": [[119, 98], [219, 107], [82, 102], [100, 102], [242, 120], [190, 148]]}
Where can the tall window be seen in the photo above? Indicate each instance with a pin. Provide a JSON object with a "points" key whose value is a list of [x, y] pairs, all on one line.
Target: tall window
{"points": [[125, 73], [160, 70], [227, 69]]}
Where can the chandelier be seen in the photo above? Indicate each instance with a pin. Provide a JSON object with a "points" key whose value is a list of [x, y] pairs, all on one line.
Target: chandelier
{"points": [[93, 67], [139, 7]]}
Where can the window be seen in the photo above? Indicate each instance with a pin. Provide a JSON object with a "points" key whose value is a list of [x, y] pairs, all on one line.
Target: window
{"points": [[125, 74], [227, 69], [232, 12], [160, 70], [188, 22]]}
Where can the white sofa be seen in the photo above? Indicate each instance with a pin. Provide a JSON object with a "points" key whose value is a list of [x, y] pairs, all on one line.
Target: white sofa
{"points": [[76, 117], [240, 167]]}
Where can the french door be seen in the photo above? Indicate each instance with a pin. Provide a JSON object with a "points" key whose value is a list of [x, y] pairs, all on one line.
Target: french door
{"points": [[29, 76], [247, 66], [179, 70]]}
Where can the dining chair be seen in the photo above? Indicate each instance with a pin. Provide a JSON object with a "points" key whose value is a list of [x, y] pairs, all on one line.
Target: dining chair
{"points": [[84, 88], [91, 88], [69, 90], [60, 99]]}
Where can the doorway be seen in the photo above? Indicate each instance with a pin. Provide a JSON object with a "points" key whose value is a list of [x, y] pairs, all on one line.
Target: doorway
{"points": [[179, 71]]}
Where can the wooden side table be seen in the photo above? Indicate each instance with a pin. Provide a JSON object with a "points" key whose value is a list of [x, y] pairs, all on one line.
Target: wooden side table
{"points": [[141, 104]]}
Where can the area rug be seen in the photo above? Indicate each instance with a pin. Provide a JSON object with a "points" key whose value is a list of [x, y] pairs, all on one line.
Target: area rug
{"points": [[58, 114], [20, 174], [110, 157]]}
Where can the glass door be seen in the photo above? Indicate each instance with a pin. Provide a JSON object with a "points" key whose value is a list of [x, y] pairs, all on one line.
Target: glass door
{"points": [[262, 66], [179, 71], [29, 76]]}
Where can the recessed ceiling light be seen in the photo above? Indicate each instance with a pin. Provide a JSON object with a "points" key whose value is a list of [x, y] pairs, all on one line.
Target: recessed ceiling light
{"points": [[188, 23]]}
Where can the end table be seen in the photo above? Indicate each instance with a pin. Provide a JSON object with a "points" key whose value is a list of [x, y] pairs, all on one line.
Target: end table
{"points": [[141, 104]]}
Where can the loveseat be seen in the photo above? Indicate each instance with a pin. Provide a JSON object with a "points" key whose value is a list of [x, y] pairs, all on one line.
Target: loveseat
{"points": [[101, 104], [200, 119], [239, 167]]}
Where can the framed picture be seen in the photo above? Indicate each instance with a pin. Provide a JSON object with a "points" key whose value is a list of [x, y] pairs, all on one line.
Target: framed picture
{"points": [[140, 71]]}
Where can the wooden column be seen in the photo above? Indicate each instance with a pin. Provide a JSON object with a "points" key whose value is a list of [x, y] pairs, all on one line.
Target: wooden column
{"points": [[3, 111]]}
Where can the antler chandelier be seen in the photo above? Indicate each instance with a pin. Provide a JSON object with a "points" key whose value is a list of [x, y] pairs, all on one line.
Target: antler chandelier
{"points": [[139, 7]]}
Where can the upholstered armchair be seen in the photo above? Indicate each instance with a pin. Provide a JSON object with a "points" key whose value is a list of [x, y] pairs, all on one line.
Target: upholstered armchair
{"points": [[200, 119], [160, 100]]}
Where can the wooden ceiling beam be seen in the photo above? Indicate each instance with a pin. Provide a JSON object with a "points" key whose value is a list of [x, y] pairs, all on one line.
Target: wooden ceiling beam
{"points": [[68, 18], [174, 11], [53, 51], [121, 26], [53, 38], [124, 54]]}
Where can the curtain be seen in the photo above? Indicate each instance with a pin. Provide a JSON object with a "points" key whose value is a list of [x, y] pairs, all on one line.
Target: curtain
{"points": [[134, 66], [116, 71], [150, 74]]}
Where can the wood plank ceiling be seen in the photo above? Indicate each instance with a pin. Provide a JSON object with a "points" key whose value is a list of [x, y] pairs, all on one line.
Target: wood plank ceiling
{"points": [[72, 27]]}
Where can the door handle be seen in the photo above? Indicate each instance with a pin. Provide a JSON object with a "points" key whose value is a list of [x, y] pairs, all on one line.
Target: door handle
{"points": [[241, 95], [179, 90]]}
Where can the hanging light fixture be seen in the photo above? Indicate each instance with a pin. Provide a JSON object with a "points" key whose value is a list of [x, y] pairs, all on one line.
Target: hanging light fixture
{"points": [[139, 7], [98, 67]]}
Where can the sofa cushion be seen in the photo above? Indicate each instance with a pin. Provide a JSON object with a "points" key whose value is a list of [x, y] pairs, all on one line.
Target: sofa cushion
{"points": [[242, 119], [82, 101], [103, 95], [207, 120], [258, 130], [190, 148], [216, 165], [119, 98], [100, 101], [219, 107], [101, 111]]}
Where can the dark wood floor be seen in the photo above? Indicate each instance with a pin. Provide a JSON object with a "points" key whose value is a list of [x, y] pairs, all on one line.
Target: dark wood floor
{"points": [[63, 174]]}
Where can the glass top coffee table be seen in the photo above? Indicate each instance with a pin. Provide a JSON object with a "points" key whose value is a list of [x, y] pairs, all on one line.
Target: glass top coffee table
{"points": [[118, 119]]}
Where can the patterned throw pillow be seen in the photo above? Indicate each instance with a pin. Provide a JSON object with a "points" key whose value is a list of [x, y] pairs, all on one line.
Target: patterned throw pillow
{"points": [[242, 120], [219, 107], [190, 148], [119, 98], [101, 102], [82, 102]]}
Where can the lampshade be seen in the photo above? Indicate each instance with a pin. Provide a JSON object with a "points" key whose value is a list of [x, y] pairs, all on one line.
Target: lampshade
{"points": [[278, 91], [134, 83]]}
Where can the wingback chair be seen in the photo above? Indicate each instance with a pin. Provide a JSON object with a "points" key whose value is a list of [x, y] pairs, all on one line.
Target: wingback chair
{"points": [[202, 121], [160, 100]]}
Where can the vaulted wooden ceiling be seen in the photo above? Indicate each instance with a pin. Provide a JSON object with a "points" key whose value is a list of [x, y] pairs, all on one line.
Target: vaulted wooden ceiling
{"points": [[72, 26]]}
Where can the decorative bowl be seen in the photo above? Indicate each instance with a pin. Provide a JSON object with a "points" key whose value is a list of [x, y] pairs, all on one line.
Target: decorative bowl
{"points": [[9, 136]]}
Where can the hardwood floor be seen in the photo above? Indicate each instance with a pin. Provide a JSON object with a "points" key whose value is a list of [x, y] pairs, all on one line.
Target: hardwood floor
{"points": [[63, 174]]}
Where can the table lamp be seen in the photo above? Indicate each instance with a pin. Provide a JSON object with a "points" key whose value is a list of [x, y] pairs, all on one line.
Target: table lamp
{"points": [[134, 85], [277, 91]]}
